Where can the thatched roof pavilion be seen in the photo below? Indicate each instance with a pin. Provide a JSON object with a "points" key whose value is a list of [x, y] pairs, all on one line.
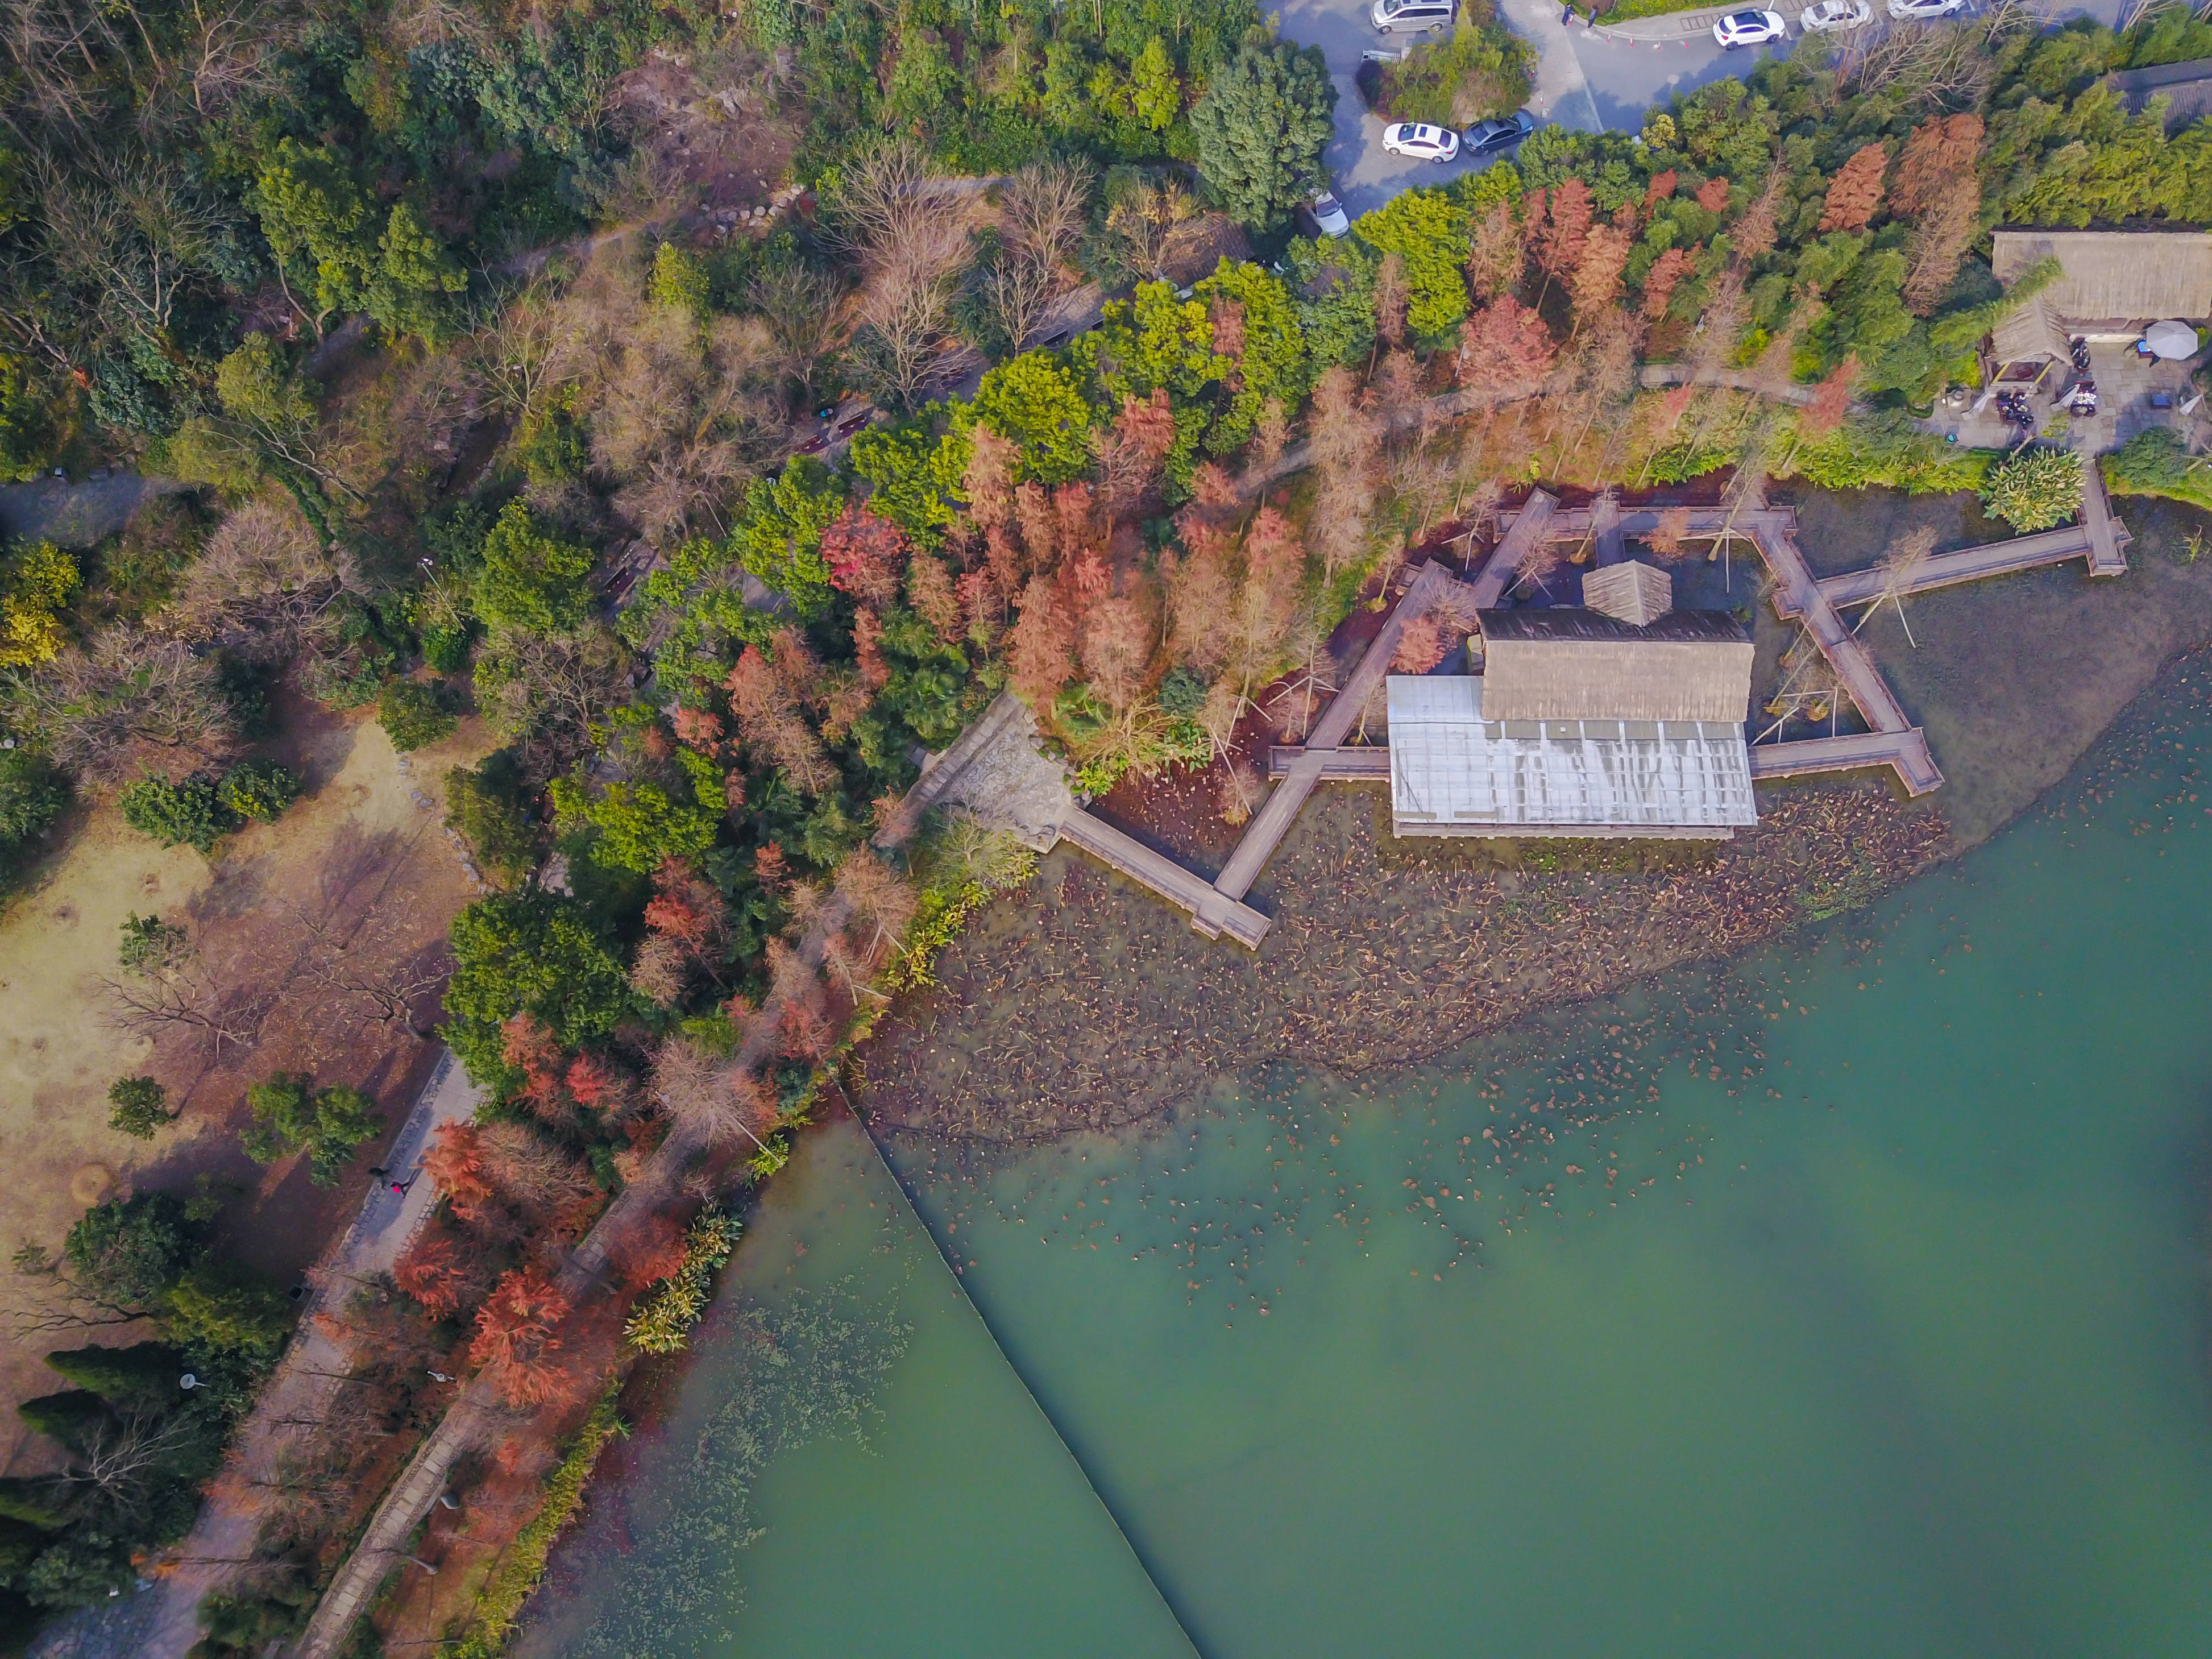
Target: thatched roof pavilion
{"points": [[2115, 283]]}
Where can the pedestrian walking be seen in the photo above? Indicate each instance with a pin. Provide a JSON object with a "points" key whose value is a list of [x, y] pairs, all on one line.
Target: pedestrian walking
{"points": [[399, 1188]]}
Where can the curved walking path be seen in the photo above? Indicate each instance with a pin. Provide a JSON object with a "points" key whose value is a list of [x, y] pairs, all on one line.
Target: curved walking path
{"points": [[305, 1389]]}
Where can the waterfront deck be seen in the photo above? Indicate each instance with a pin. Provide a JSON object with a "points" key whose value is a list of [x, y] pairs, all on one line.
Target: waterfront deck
{"points": [[1971, 564], [1907, 751]]}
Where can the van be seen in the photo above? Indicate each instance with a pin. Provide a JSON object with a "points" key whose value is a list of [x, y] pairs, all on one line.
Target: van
{"points": [[1391, 16]]}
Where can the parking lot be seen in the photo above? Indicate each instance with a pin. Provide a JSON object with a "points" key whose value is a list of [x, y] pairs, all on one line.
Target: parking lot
{"points": [[1592, 79]]}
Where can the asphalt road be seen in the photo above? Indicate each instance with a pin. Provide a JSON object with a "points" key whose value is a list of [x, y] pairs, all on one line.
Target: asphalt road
{"points": [[1585, 78]]}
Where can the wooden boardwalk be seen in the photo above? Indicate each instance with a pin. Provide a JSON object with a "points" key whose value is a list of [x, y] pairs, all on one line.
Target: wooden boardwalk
{"points": [[1796, 594], [2108, 537], [1274, 819], [1524, 530], [1212, 913], [1969, 564], [1366, 762]]}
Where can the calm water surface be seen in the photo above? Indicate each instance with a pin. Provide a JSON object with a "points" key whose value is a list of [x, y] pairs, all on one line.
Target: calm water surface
{"points": [[1850, 1300]]}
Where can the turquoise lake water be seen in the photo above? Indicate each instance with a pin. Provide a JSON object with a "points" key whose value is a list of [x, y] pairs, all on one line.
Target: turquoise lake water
{"points": [[1889, 1332]]}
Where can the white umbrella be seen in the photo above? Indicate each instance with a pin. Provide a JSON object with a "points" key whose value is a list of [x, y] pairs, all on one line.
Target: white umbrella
{"points": [[2175, 340]]}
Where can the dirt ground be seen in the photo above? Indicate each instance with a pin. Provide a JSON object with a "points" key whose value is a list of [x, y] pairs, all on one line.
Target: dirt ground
{"points": [[356, 855], [709, 126]]}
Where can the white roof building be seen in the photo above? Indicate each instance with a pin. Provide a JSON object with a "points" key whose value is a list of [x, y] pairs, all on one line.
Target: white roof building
{"points": [[1454, 773]]}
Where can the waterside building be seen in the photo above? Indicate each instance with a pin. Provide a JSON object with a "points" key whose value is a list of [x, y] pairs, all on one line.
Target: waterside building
{"points": [[1619, 717]]}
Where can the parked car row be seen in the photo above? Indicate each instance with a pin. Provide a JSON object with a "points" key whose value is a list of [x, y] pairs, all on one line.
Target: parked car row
{"points": [[1756, 28], [1421, 142]]}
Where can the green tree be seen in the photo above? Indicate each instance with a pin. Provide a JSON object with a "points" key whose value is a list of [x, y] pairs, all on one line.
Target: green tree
{"points": [[1033, 402], [256, 385], [411, 290], [488, 806], [531, 580], [1271, 359], [677, 281], [226, 1313], [37, 582], [1428, 231], [31, 798], [140, 1107], [778, 539], [638, 824], [127, 1253], [1261, 128], [2036, 489], [145, 1373], [316, 222], [413, 715], [913, 478], [1154, 93], [532, 953], [291, 1114]]}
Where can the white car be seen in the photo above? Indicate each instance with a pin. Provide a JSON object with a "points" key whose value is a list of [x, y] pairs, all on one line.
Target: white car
{"points": [[1420, 140], [1750, 28], [1329, 216], [1917, 10], [1835, 15]]}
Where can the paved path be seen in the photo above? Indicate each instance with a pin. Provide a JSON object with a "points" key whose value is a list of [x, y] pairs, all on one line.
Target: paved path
{"points": [[308, 1380]]}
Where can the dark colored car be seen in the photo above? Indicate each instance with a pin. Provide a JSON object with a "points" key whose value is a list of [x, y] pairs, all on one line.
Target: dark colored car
{"points": [[1500, 132]]}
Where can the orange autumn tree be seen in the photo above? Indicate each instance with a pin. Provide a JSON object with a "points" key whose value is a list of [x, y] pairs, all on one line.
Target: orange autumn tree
{"points": [[454, 1161], [516, 1344]]}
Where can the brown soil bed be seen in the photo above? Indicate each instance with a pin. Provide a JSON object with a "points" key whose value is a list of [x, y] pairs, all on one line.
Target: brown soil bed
{"points": [[1089, 1004]]}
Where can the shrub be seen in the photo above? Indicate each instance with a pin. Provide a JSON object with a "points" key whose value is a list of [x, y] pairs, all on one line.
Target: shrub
{"points": [[150, 943], [663, 1319], [31, 798], [413, 715], [187, 814], [2156, 462], [259, 790], [291, 1114], [143, 1373], [2035, 489], [140, 1107]]}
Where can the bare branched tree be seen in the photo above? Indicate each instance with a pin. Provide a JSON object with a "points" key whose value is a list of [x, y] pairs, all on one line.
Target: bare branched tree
{"points": [[129, 703], [268, 587], [190, 999]]}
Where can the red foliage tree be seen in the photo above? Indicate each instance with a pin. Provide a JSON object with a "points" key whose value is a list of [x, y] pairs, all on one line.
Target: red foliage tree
{"points": [[1713, 195], [868, 648], [1567, 223], [1938, 155], [698, 728], [1855, 193], [528, 1046], [1041, 649], [1661, 187], [1597, 273], [867, 554], [594, 1083], [515, 1342], [771, 869], [935, 599], [1506, 349], [454, 1162], [1131, 454], [989, 481], [1663, 279], [1421, 645], [1834, 400], [651, 1251], [436, 1274]]}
